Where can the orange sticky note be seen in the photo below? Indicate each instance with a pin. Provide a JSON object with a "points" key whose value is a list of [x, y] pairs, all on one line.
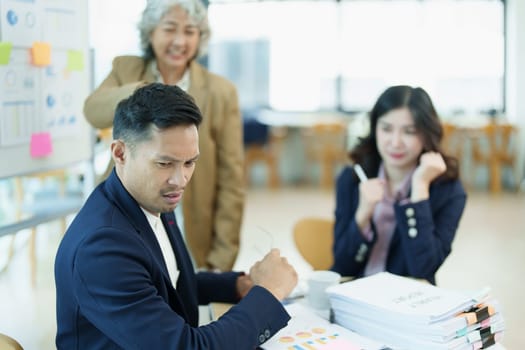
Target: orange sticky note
{"points": [[41, 145], [41, 54], [5, 52]]}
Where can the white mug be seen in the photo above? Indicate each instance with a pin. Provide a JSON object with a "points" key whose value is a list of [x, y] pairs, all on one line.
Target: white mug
{"points": [[318, 281]]}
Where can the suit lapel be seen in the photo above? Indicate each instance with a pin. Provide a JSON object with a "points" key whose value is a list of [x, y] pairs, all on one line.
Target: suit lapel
{"points": [[186, 291], [131, 209], [181, 254], [198, 86], [186, 286], [148, 74]]}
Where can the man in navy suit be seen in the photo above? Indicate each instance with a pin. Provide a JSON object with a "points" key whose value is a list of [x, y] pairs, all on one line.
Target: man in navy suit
{"points": [[124, 279]]}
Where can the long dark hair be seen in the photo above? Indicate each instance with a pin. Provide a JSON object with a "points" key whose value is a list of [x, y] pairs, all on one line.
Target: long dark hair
{"points": [[426, 121]]}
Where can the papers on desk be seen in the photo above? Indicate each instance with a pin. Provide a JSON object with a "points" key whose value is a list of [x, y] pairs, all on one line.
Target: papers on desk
{"points": [[306, 330], [408, 314]]}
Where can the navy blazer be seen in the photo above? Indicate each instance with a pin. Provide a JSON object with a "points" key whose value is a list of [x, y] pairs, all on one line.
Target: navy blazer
{"points": [[114, 292], [422, 237]]}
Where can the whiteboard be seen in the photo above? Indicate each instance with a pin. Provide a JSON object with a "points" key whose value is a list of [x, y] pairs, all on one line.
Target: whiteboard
{"points": [[44, 80]]}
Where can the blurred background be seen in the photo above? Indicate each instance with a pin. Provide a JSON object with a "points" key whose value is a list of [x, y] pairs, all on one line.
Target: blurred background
{"points": [[307, 72]]}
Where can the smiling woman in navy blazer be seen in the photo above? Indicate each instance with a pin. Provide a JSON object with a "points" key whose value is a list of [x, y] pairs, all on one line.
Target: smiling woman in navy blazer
{"points": [[124, 279], [404, 216]]}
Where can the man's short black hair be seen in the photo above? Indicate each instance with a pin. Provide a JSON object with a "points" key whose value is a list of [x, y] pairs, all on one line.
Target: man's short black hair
{"points": [[159, 105]]}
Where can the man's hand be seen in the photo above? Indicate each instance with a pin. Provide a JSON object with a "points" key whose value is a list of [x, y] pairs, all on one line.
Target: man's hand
{"points": [[244, 284], [274, 273]]}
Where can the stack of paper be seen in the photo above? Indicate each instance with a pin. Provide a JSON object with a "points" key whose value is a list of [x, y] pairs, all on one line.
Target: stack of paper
{"points": [[409, 314]]}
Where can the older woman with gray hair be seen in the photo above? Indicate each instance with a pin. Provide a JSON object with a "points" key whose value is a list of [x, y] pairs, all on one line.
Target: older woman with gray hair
{"points": [[173, 34]]}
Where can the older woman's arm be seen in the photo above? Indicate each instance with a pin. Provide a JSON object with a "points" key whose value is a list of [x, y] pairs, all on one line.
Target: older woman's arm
{"points": [[124, 78]]}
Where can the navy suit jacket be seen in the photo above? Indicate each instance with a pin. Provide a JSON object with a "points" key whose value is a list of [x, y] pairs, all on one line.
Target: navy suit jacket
{"points": [[422, 236], [113, 288]]}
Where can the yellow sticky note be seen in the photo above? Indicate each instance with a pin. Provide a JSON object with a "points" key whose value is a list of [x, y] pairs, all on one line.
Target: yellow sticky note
{"points": [[75, 60], [5, 52], [41, 53]]}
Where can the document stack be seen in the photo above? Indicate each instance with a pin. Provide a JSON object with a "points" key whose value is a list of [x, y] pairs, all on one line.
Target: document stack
{"points": [[408, 314]]}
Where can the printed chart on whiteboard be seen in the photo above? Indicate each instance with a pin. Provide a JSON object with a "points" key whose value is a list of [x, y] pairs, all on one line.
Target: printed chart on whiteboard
{"points": [[44, 79]]}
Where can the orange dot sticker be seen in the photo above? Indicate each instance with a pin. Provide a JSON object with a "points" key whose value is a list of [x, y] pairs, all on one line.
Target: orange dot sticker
{"points": [[286, 339], [304, 334], [318, 330]]}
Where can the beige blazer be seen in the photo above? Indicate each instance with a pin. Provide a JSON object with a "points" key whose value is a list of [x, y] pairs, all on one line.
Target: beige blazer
{"points": [[213, 201]]}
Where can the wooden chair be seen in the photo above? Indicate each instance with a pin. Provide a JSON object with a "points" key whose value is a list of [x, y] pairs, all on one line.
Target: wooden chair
{"points": [[325, 143], [313, 238], [500, 151], [451, 141], [8, 343], [268, 154]]}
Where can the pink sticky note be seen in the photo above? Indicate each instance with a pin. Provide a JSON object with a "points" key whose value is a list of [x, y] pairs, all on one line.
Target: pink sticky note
{"points": [[41, 145]]}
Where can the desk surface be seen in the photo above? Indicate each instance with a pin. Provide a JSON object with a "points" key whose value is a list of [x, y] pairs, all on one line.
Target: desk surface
{"points": [[52, 210]]}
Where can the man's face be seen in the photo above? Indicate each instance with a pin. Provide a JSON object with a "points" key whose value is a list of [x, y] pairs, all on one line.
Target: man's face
{"points": [[156, 171]]}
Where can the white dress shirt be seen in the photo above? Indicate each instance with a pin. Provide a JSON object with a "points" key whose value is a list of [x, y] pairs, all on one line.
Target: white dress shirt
{"points": [[165, 246]]}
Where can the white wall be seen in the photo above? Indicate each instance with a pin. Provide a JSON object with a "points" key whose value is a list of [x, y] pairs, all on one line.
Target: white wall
{"points": [[112, 32], [515, 87]]}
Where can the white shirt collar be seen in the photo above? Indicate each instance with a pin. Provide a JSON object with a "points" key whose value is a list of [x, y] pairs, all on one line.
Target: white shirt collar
{"points": [[183, 83], [153, 220]]}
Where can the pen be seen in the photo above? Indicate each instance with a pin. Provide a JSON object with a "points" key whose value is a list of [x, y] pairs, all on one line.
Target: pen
{"points": [[360, 172]]}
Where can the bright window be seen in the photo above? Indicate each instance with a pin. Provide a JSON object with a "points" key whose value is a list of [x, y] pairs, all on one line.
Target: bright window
{"points": [[453, 49], [318, 55], [324, 55]]}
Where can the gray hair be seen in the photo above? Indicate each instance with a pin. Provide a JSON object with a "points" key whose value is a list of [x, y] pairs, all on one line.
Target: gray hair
{"points": [[156, 9]]}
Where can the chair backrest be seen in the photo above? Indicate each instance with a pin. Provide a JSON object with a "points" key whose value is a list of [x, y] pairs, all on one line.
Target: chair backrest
{"points": [[507, 149], [313, 238], [451, 142], [326, 140], [501, 144], [8, 343], [326, 144]]}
